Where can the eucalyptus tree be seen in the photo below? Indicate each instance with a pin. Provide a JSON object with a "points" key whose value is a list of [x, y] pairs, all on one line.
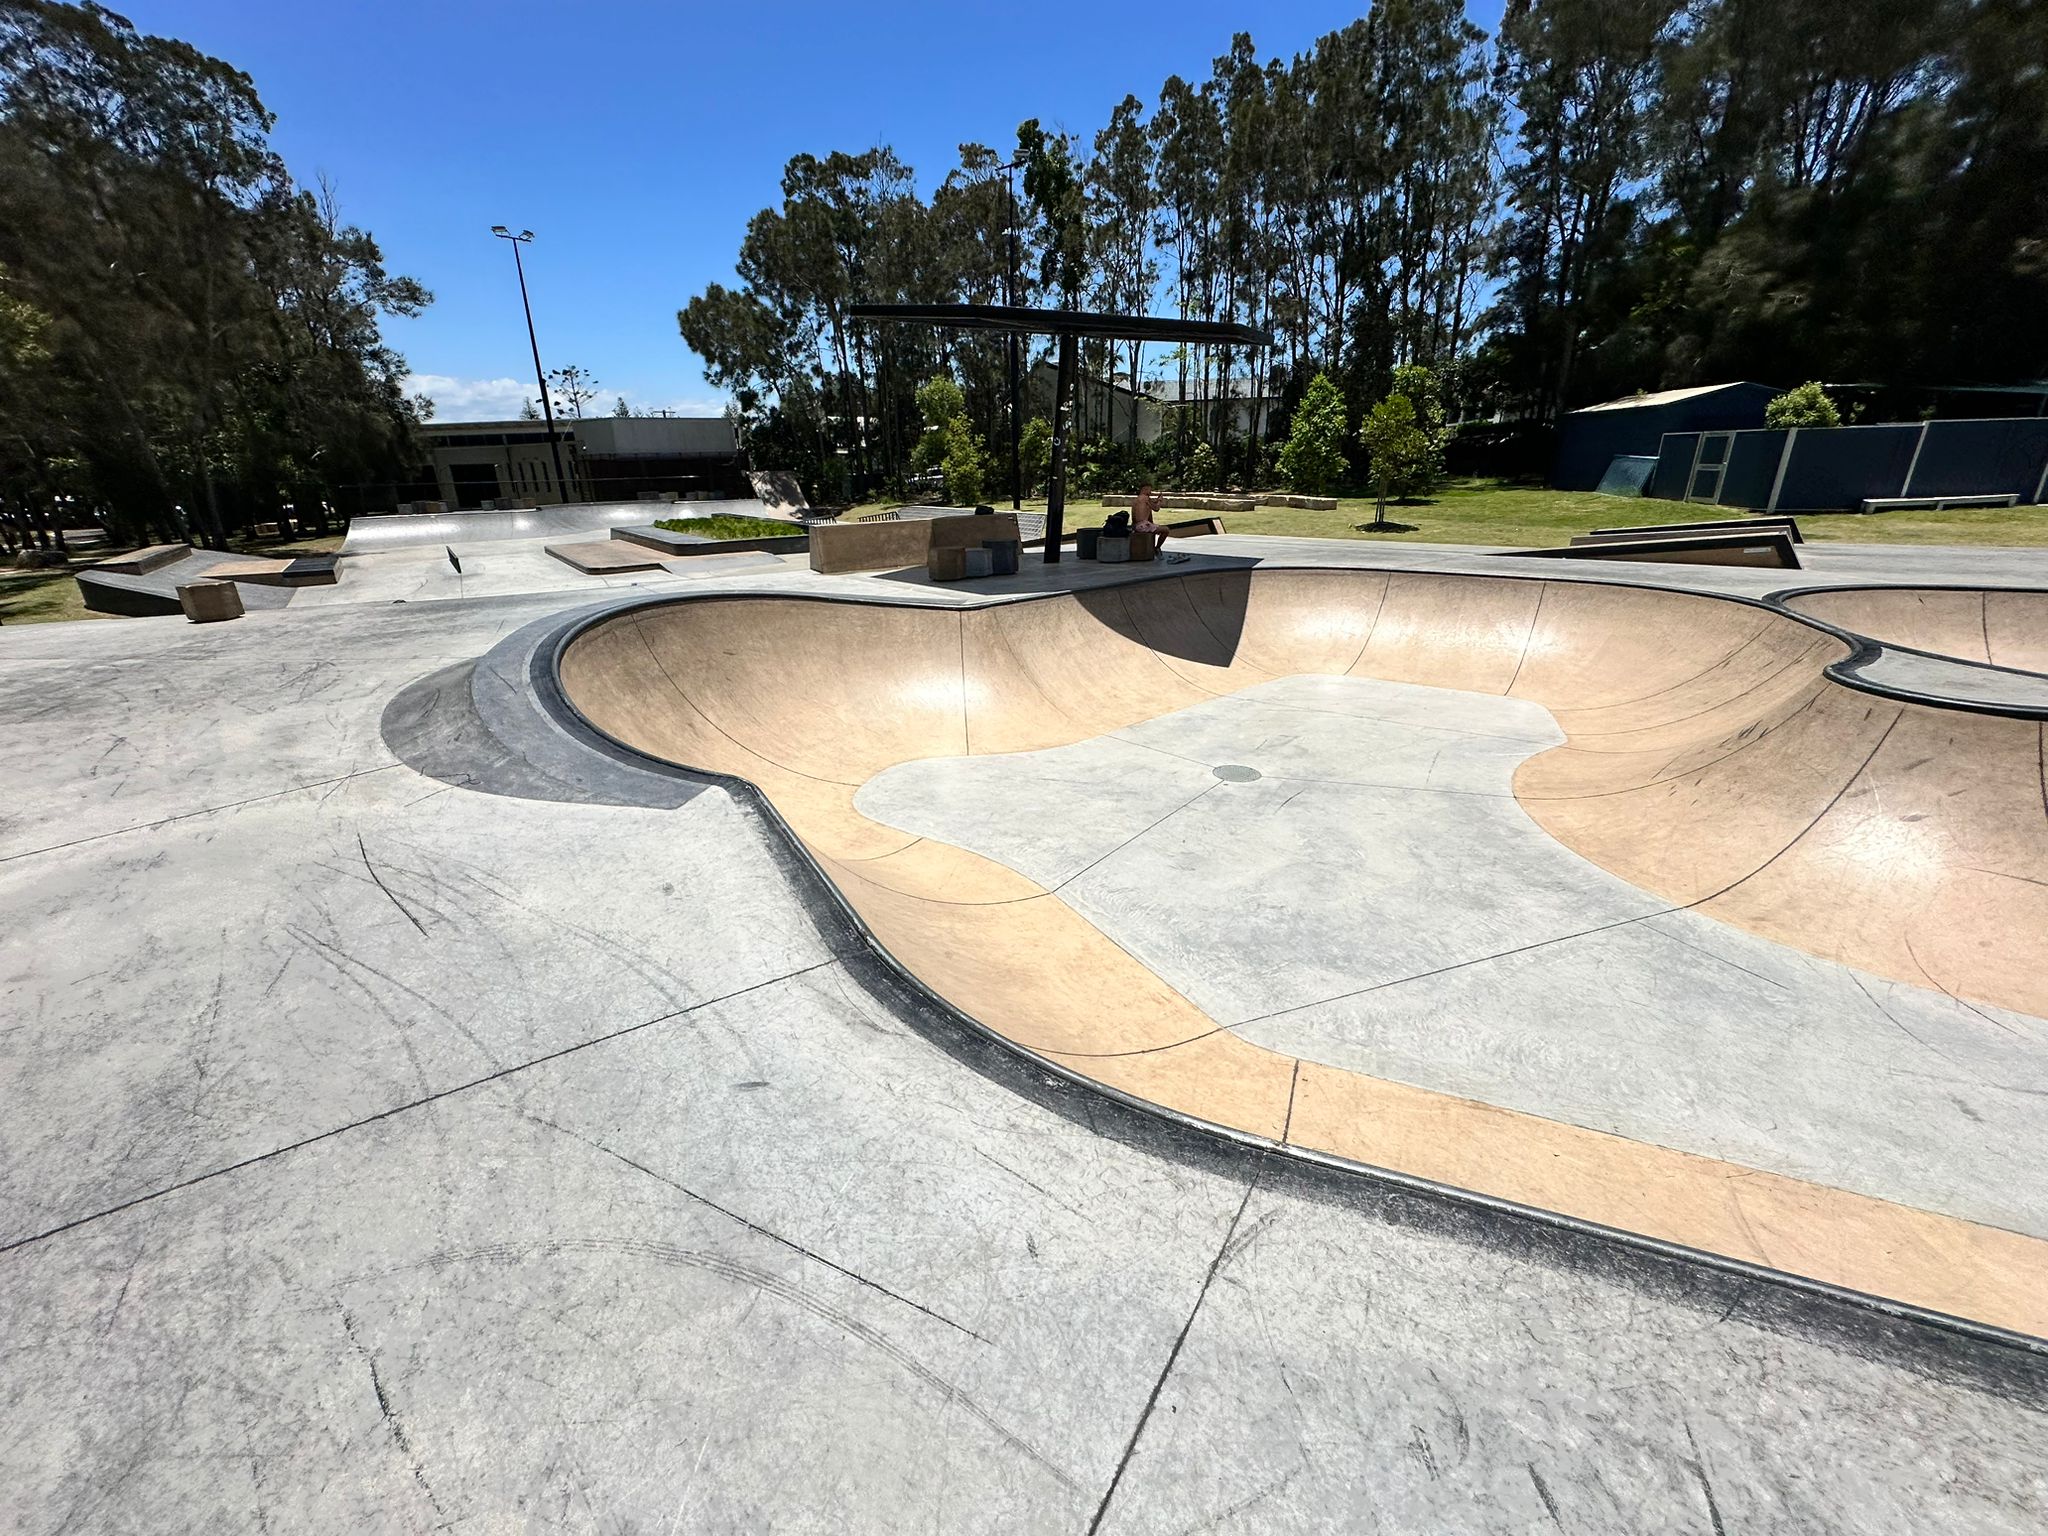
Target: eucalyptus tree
{"points": [[1580, 73], [1121, 199]]}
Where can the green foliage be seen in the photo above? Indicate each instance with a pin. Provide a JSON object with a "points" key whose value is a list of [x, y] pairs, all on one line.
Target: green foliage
{"points": [[1205, 469], [1312, 461], [948, 443], [1807, 405], [1034, 454], [729, 525], [1424, 392], [211, 329], [1396, 447]]}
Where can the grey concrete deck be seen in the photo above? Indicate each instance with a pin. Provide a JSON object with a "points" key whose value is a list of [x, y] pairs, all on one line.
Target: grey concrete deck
{"points": [[384, 1152]]}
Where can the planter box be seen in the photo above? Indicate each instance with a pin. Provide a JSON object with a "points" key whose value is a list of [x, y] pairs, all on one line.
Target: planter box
{"points": [[677, 545]]}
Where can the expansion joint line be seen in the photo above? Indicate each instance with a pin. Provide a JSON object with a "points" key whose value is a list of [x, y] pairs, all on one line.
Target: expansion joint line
{"points": [[1223, 1251], [400, 1109]]}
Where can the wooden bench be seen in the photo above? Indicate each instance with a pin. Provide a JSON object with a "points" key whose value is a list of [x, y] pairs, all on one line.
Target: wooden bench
{"points": [[1933, 503]]}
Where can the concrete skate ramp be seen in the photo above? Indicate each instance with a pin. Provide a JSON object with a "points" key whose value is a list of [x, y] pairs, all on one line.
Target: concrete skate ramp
{"points": [[1709, 759], [374, 535], [2002, 629], [153, 591]]}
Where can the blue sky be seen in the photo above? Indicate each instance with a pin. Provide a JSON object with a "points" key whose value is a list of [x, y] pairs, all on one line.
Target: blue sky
{"points": [[636, 139]]}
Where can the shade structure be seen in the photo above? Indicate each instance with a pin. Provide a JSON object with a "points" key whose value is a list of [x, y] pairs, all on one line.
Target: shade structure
{"points": [[1069, 325]]}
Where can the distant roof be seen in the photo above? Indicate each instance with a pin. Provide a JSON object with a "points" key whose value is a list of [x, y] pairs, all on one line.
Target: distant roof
{"points": [[1065, 322], [1665, 396]]}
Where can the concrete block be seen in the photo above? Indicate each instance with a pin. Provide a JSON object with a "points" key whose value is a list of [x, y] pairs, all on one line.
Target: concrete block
{"points": [[979, 562], [869, 546], [948, 563], [209, 602]]}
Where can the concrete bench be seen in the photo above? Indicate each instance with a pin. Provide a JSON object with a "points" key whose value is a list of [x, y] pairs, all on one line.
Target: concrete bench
{"points": [[1306, 503], [1722, 525], [1933, 503], [1772, 547]]}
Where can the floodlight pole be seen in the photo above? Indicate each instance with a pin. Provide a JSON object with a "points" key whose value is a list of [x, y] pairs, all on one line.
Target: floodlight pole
{"points": [[540, 378]]}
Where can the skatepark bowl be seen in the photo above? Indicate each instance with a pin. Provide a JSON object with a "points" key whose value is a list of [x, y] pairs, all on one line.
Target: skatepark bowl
{"points": [[1609, 902], [1994, 628]]}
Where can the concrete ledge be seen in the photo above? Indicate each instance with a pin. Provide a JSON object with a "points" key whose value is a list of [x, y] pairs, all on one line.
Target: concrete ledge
{"points": [[605, 557], [1306, 503], [1772, 547], [675, 545], [1722, 525], [142, 561]]}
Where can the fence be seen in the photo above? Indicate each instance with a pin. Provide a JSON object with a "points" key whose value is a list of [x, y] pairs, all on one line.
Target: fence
{"points": [[1837, 469]]}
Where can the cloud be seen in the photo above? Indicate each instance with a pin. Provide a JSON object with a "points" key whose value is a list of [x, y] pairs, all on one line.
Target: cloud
{"points": [[500, 399], [470, 399]]}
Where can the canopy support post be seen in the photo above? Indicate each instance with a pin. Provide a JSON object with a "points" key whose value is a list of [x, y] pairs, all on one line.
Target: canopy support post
{"points": [[1056, 487]]}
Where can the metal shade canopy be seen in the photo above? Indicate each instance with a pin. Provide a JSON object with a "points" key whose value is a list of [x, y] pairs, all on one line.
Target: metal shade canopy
{"points": [[1064, 322], [1068, 325]]}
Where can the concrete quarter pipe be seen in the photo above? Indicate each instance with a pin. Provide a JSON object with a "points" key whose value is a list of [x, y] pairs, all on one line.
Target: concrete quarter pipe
{"points": [[1709, 767]]}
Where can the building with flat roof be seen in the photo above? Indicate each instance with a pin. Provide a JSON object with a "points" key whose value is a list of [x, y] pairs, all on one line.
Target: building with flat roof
{"points": [[603, 458]]}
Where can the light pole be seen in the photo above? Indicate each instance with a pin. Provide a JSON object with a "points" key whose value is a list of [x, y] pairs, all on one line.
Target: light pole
{"points": [[525, 237]]}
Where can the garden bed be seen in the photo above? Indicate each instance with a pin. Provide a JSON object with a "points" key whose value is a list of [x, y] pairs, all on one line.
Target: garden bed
{"points": [[723, 534]]}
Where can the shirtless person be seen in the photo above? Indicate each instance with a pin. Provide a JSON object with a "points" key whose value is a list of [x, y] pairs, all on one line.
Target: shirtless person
{"points": [[1143, 506]]}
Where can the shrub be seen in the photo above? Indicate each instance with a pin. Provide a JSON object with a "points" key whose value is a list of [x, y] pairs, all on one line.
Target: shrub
{"points": [[1312, 461], [1205, 471], [1806, 406]]}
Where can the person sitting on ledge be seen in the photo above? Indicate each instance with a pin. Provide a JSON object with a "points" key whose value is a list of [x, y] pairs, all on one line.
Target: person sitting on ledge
{"points": [[1143, 506]]}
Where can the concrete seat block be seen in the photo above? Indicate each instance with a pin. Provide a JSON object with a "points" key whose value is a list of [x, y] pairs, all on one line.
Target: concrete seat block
{"points": [[838, 548], [209, 602]]}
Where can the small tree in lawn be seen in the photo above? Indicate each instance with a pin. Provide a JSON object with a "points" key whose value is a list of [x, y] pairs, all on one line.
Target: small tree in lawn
{"points": [[1313, 458], [1034, 454], [1425, 392], [948, 443], [1396, 446], [1806, 406]]}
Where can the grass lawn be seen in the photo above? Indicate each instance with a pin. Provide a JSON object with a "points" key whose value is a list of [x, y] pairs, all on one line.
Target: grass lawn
{"points": [[40, 597], [727, 525], [1529, 516], [48, 597]]}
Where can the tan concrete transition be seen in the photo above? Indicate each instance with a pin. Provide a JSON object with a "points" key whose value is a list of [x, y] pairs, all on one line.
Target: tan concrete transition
{"points": [[2004, 629], [1708, 760]]}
